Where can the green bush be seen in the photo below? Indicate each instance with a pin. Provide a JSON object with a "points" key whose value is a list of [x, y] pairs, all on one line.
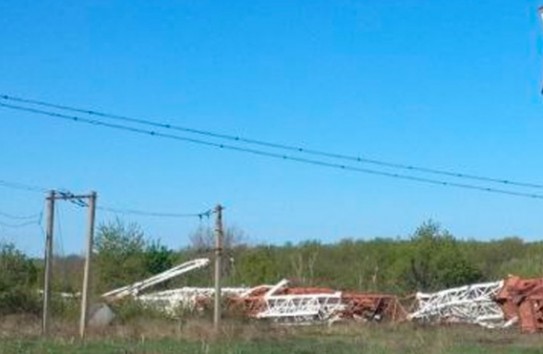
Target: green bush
{"points": [[17, 282], [19, 300], [129, 309]]}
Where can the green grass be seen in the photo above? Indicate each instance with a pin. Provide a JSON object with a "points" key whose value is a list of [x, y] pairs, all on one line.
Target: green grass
{"points": [[240, 338], [175, 346], [300, 345]]}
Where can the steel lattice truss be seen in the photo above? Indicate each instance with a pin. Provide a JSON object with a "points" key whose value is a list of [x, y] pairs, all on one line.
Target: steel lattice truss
{"points": [[301, 308], [276, 303], [190, 298], [293, 308], [136, 288], [169, 301], [467, 304], [300, 305], [475, 304]]}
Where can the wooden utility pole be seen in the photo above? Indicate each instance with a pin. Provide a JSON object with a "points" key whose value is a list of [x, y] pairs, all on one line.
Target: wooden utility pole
{"points": [[50, 201], [218, 255], [88, 258]]}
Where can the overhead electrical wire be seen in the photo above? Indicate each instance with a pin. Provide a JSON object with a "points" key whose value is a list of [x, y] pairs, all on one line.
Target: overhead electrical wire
{"points": [[30, 219], [81, 203], [59, 246], [19, 217], [267, 144], [206, 213], [36, 221], [19, 225], [274, 155], [22, 186]]}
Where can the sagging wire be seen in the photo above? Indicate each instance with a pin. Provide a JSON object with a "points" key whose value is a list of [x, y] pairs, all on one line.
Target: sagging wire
{"points": [[281, 156]]}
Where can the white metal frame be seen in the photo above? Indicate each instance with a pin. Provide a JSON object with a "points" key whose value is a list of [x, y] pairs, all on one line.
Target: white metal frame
{"points": [[299, 308], [302, 308], [136, 288], [185, 298], [467, 304]]}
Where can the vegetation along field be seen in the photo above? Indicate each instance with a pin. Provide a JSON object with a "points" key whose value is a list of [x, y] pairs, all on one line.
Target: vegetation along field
{"points": [[157, 336], [427, 260]]}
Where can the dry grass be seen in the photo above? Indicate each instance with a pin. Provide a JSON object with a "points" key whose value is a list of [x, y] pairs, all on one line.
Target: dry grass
{"points": [[29, 326], [242, 337]]}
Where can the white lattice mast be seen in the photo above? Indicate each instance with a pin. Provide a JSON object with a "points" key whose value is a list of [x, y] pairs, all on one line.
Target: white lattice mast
{"points": [[187, 297], [299, 308], [467, 304], [136, 288], [303, 307]]}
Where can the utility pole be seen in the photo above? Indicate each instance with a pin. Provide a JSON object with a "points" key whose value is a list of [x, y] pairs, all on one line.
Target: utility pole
{"points": [[218, 255], [50, 201], [86, 276]]}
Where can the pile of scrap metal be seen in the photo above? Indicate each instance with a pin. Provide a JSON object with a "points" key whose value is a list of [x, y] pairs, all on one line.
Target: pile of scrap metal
{"points": [[497, 304], [279, 302], [522, 300], [170, 301], [185, 298], [285, 304], [493, 305], [135, 289]]}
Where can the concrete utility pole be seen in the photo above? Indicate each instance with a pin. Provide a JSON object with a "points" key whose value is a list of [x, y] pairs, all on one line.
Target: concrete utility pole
{"points": [[49, 255], [88, 258], [50, 201], [219, 234]]}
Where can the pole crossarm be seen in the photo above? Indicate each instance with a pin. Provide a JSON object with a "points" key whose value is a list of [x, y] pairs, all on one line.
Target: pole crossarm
{"points": [[62, 196]]}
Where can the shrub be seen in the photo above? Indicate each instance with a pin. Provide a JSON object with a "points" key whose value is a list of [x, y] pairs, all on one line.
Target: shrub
{"points": [[17, 282]]}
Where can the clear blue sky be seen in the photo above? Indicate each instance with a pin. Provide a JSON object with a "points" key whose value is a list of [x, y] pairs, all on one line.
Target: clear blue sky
{"points": [[452, 85]]}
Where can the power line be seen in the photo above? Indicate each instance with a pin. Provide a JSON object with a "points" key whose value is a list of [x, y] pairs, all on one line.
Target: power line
{"points": [[321, 163], [81, 203], [60, 244], [22, 186], [206, 213], [36, 219], [284, 147], [32, 188], [19, 217], [22, 224]]}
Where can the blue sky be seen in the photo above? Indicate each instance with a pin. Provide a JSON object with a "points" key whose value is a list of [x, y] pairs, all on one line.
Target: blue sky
{"points": [[452, 86]]}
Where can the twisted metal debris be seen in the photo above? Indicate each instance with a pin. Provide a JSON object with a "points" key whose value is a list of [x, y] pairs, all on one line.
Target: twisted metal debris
{"points": [[522, 301], [473, 304], [136, 288], [285, 304], [185, 298], [498, 304]]}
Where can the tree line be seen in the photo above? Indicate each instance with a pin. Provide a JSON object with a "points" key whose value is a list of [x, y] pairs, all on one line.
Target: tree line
{"points": [[429, 259]]}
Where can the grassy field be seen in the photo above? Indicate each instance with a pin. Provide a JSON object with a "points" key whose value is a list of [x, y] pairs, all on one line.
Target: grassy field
{"points": [[153, 336]]}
